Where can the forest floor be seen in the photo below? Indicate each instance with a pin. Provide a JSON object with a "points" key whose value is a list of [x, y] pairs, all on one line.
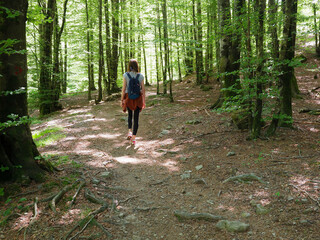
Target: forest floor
{"points": [[183, 154]]}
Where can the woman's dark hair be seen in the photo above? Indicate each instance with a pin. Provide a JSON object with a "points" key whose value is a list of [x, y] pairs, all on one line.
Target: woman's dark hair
{"points": [[133, 65]]}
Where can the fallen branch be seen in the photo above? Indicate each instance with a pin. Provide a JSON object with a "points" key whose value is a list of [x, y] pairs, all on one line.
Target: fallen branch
{"points": [[197, 216], [306, 193], [159, 182], [77, 193], [245, 177], [59, 196]]}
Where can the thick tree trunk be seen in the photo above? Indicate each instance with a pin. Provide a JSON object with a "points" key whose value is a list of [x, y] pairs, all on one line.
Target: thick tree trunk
{"points": [[157, 59], [88, 52], [286, 55], [17, 149], [45, 83]]}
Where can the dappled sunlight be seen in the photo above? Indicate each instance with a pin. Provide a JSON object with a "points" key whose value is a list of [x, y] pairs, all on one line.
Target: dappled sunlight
{"points": [[315, 130], [131, 160], [261, 193], [225, 208], [70, 216], [23, 221], [171, 166], [299, 180], [101, 135]]}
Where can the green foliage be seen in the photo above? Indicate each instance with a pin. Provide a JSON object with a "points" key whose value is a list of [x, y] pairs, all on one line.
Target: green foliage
{"points": [[10, 12], [48, 136], [14, 122], [1, 192], [6, 47], [19, 91]]}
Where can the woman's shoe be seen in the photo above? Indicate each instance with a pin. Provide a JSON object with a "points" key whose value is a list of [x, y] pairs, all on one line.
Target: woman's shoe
{"points": [[133, 142], [129, 136]]}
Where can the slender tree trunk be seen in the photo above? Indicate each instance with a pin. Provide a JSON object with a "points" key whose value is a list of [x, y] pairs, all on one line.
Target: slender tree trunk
{"points": [[100, 55], [260, 6], [178, 45], [199, 51], [108, 44], [56, 80], [217, 36], [157, 59], [166, 48], [316, 30], [65, 68], [115, 42], [17, 149], [88, 52]]}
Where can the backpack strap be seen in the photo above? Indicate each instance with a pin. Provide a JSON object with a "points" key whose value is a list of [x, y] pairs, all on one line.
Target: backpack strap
{"points": [[129, 76]]}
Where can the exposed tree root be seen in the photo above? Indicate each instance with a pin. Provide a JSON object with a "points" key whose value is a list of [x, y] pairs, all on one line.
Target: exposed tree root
{"points": [[33, 219], [197, 216], [306, 193], [245, 177], [92, 198], [85, 222], [59, 196], [77, 193]]}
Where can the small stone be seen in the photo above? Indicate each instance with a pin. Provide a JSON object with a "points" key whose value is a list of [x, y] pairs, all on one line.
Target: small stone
{"points": [[164, 132], [245, 214], [185, 176], [304, 200], [199, 167], [304, 221], [106, 174], [2, 237], [131, 218], [232, 226], [95, 181], [183, 158], [231, 154], [261, 210], [123, 119], [290, 198]]}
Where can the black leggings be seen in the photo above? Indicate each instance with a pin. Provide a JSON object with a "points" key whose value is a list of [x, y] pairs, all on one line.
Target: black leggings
{"points": [[136, 120]]}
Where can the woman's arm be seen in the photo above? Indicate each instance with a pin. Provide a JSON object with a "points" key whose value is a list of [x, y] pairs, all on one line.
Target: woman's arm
{"points": [[124, 86], [143, 95]]}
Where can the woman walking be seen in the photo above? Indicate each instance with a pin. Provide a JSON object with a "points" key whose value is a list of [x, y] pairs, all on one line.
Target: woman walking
{"points": [[133, 97]]}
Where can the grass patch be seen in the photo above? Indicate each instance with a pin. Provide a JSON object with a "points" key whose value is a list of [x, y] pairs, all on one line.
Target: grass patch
{"points": [[48, 136]]}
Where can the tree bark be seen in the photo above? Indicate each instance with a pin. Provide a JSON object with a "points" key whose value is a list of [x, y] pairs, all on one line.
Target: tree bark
{"points": [[17, 149], [99, 99], [286, 55], [166, 48], [115, 43]]}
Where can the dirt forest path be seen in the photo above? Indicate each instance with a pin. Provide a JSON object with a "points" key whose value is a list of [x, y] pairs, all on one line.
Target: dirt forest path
{"points": [[183, 154]]}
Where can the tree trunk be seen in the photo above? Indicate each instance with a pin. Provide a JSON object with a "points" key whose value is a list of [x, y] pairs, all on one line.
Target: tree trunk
{"points": [[157, 59], [108, 44], [17, 149], [100, 55], [178, 45], [260, 6], [166, 48], [56, 79], [45, 83], [88, 52], [286, 55], [115, 42], [65, 68], [199, 51]]}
